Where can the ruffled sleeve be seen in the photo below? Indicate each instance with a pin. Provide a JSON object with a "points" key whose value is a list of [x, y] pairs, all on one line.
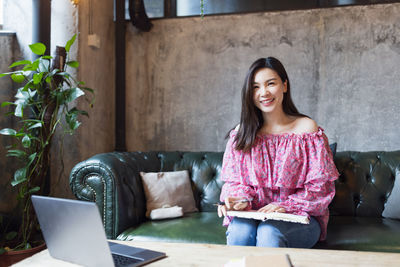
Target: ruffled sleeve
{"points": [[236, 181], [319, 188]]}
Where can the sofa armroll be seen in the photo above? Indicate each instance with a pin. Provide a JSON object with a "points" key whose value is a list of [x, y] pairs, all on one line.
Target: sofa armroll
{"points": [[112, 181]]}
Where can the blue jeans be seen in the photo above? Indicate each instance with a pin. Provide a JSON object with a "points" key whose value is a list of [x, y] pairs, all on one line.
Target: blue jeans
{"points": [[249, 232]]}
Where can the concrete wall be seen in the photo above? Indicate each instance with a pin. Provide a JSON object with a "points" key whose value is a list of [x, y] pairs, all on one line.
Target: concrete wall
{"points": [[96, 133], [7, 165], [64, 152], [97, 71], [17, 19], [185, 76]]}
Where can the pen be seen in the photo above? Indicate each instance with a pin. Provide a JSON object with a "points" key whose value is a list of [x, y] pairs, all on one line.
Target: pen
{"points": [[234, 201]]}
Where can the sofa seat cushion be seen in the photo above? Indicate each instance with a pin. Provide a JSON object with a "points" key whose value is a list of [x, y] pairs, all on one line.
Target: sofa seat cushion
{"points": [[362, 233], [196, 227]]}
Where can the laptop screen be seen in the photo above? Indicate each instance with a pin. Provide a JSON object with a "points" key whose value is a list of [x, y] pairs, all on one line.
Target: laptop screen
{"points": [[74, 232]]}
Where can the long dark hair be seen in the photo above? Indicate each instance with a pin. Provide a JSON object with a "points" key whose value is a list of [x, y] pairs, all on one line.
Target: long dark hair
{"points": [[251, 119]]}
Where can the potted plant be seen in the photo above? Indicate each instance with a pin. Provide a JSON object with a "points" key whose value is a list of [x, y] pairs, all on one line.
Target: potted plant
{"points": [[43, 102]]}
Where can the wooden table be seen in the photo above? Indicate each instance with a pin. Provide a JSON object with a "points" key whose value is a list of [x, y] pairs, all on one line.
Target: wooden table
{"points": [[187, 254]]}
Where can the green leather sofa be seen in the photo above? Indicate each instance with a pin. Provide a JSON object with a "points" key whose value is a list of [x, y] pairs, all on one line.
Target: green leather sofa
{"points": [[112, 180]]}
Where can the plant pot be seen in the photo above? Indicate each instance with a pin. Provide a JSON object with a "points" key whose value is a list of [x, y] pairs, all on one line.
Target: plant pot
{"points": [[11, 257]]}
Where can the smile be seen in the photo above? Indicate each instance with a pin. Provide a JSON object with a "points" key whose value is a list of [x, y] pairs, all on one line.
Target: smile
{"points": [[267, 102]]}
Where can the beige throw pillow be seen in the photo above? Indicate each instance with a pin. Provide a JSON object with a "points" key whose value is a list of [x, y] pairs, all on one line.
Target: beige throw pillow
{"points": [[168, 189]]}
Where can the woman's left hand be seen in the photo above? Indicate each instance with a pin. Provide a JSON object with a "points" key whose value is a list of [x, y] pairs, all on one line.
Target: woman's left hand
{"points": [[272, 208]]}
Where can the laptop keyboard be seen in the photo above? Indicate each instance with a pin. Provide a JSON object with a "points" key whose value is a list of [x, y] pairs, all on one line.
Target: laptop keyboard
{"points": [[120, 260]]}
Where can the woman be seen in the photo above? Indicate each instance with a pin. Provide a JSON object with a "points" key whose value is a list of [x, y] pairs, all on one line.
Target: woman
{"points": [[276, 160]]}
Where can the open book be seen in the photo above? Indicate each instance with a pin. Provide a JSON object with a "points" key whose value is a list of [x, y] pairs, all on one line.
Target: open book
{"points": [[270, 216]]}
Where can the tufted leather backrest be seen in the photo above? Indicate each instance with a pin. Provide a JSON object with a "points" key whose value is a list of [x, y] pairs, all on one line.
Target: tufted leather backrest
{"points": [[204, 169], [366, 179], [365, 182]]}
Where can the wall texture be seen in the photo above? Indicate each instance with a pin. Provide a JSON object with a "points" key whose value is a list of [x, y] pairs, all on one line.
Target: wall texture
{"points": [[185, 76], [18, 19], [96, 133], [7, 165]]}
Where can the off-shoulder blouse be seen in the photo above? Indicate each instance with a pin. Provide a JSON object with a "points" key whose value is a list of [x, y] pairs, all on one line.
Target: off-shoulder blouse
{"points": [[294, 171]]}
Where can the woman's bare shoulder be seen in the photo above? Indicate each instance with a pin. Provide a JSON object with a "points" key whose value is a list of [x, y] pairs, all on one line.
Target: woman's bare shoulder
{"points": [[305, 125]]}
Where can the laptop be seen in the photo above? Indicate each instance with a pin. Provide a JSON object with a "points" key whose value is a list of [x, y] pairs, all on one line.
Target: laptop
{"points": [[74, 232]]}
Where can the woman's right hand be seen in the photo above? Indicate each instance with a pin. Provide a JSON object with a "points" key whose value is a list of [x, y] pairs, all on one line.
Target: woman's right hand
{"points": [[231, 203]]}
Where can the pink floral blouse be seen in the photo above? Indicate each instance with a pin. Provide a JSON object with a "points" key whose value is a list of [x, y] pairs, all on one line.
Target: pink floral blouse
{"points": [[294, 171]]}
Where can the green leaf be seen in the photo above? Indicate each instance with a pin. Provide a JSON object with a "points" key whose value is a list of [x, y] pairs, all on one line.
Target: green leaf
{"points": [[48, 79], [5, 74], [8, 131], [37, 77], [26, 141], [36, 125], [28, 68], [21, 62], [88, 89], [73, 94], [19, 110], [11, 146], [11, 235], [22, 93], [18, 78], [31, 158], [47, 57], [38, 48], [16, 153], [73, 64], [5, 104], [27, 246], [65, 74], [69, 43], [77, 111], [2, 250], [71, 119], [27, 86], [43, 66], [19, 176], [73, 125], [71, 115], [53, 72], [34, 190], [35, 64]]}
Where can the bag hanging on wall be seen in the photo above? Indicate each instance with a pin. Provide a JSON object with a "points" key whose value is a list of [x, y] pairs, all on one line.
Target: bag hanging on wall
{"points": [[138, 15]]}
